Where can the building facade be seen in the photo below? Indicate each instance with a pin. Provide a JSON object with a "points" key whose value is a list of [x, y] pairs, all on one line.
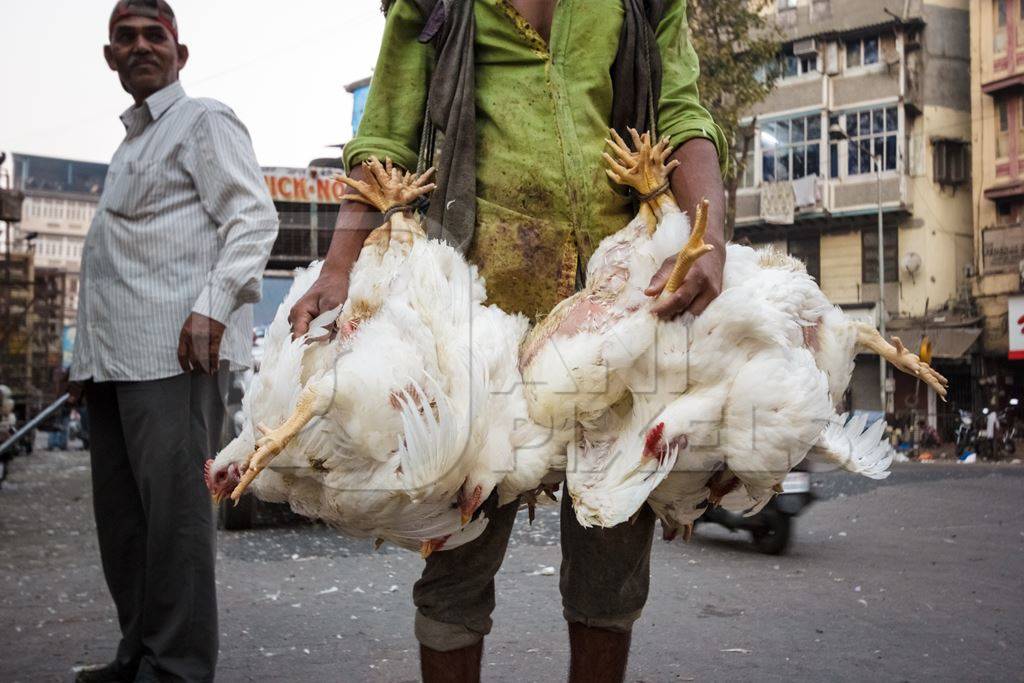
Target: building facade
{"points": [[997, 84], [308, 201], [872, 108], [61, 196]]}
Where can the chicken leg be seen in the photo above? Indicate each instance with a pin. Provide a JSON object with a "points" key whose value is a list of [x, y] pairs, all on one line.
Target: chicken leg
{"points": [[693, 250], [900, 357], [273, 441], [388, 187], [646, 171]]}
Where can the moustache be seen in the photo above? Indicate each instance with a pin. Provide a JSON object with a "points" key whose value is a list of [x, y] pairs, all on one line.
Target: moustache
{"points": [[135, 63]]}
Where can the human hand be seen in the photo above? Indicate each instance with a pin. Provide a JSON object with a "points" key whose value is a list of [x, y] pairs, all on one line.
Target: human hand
{"points": [[701, 267], [702, 285], [76, 391], [697, 182], [199, 344], [329, 292]]}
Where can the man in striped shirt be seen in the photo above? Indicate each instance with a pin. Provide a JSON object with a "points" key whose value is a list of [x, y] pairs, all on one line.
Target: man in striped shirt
{"points": [[176, 252]]}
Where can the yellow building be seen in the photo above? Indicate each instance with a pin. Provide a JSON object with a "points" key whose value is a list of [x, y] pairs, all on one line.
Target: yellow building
{"points": [[873, 106], [997, 84]]}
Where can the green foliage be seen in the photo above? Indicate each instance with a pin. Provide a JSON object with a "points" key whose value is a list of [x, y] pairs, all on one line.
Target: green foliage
{"points": [[738, 45]]}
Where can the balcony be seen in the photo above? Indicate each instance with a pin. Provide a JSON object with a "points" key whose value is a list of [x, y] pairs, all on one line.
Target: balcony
{"points": [[1008, 85], [839, 198]]}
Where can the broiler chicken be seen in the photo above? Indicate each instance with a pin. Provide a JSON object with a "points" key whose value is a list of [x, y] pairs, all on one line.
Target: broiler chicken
{"points": [[397, 416], [709, 410]]}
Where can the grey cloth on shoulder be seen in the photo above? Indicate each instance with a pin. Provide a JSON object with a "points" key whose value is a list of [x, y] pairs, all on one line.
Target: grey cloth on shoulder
{"points": [[451, 102]]}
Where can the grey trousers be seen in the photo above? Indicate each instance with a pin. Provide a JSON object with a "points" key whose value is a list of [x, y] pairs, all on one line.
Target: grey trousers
{"points": [[605, 578], [154, 518]]}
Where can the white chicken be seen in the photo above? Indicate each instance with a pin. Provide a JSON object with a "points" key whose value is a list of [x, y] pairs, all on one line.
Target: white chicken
{"points": [[402, 422], [715, 409]]}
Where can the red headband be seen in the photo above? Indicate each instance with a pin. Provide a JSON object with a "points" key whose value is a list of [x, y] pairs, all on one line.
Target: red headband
{"points": [[125, 10]]}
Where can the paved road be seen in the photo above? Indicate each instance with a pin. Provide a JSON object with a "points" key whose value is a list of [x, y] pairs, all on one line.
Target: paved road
{"points": [[918, 578]]}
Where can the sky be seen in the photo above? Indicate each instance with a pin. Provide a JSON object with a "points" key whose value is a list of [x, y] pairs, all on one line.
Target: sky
{"points": [[282, 66]]}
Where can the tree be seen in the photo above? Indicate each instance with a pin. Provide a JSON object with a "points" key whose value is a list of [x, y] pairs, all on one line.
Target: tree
{"points": [[738, 45]]}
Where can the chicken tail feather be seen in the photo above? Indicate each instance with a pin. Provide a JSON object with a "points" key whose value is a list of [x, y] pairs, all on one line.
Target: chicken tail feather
{"points": [[856, 447]]}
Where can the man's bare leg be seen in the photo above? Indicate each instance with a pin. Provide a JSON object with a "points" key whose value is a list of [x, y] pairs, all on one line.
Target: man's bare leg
{"points": [[597, 655]]}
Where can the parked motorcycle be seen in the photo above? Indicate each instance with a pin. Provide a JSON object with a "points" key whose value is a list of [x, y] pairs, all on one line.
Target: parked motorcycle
{"points": [[966, 435], [770, 529], [1008, 422]]}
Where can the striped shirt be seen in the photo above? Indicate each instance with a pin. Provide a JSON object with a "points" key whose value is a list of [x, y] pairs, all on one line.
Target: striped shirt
{"points": [[185, 224]]}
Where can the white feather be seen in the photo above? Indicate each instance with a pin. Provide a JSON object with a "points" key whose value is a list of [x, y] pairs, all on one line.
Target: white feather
{"points": [[851, 444]]}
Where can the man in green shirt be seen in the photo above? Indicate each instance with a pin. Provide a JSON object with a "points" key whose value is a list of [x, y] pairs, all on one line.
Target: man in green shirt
{"points": [[544, 99]]}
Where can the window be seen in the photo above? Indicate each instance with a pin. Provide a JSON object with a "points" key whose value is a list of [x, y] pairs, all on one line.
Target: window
{"points": [[835, 120], [950, 162], [869, 255], [786, 4], [747, 179], [1020, 122], [808, 250], [1020, 23], [862, 52], [793, 65], [1000, 41], [872, 133], [791, 148], [1003, 134], [808, 63]]}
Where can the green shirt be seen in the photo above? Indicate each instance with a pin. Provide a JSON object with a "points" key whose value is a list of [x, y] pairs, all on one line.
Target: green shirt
{"points": [[543, 112]]}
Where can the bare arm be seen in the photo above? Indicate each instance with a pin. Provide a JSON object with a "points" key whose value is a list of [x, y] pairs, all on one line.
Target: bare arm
{"points": [[698, 177], [355, 223]]}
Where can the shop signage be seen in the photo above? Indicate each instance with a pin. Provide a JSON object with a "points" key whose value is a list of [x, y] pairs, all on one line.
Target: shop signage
{"points": [[315, 185], [1002, 249], [1016, 317]]}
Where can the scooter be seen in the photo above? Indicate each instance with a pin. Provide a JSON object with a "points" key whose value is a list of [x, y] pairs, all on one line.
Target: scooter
{"points": [[772, 527]]}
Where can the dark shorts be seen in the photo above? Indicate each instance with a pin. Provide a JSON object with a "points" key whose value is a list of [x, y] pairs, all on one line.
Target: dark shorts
{"points": [[605, 578]]}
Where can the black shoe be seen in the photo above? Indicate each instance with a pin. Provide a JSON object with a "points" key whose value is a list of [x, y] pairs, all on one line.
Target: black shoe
{"points": [[115, 672]]}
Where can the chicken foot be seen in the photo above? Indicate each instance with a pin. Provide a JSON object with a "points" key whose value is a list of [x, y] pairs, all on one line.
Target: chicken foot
{"points": [[646, 170], [388, 187], [273, 441], [695, 248], [901, 358]]}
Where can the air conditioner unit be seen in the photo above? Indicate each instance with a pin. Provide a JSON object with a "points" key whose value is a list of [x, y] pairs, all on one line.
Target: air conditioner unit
{"points": [[805, 48]]}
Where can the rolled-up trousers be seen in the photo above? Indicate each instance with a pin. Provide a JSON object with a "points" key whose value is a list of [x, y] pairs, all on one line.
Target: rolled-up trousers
{"points": [[605, 578], [154, 518]]}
